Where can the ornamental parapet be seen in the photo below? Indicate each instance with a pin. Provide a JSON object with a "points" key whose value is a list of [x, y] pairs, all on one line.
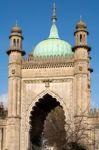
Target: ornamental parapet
{"points": [[15, 49], [47, 62], [81, 46]]}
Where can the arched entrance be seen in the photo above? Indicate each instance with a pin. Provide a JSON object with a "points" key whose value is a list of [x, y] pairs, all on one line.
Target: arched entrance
{"points": [[47, 123]]}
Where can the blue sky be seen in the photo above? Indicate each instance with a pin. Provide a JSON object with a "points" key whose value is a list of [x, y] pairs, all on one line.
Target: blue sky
{"points": [[34, 18]]}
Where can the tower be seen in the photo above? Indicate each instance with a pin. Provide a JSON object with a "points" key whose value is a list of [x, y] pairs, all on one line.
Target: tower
{"points": [[82, 67], [15, 53]]}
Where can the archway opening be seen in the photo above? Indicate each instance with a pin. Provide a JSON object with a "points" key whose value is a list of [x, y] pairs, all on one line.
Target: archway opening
{"points": [[47, 123]]}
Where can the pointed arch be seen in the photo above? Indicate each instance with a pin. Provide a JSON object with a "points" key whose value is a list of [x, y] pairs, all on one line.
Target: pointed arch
{"points": [[41, 95], [44, 104]]}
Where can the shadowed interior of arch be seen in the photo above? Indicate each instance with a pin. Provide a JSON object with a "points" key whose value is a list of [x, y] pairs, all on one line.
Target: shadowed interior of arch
{"points": [[44, 119]]}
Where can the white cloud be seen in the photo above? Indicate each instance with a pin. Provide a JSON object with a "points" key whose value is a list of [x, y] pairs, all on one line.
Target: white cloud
{"points": [[4, 99]]}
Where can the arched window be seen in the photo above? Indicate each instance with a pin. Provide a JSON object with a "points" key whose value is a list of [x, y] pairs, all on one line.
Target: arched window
{"points": [[14, 42], [80, 38]]}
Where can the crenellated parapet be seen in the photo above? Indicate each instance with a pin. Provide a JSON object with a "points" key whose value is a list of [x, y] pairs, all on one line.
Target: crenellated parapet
{"points": [[48, 61]]}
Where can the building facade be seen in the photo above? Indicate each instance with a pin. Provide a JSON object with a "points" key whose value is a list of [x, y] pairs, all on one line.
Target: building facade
{"points": [[54, 75]]}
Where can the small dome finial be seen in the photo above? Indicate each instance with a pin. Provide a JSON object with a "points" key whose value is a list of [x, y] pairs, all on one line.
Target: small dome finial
{"points": [[81, 24], [54, 17], [16, 28]]}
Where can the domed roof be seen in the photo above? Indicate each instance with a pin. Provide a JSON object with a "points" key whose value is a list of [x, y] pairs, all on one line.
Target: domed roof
{"points": [[81, 24], [53, 46], [16, 29]]}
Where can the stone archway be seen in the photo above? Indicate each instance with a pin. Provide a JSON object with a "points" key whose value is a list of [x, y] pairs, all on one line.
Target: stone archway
{"points": [[47, 111]]}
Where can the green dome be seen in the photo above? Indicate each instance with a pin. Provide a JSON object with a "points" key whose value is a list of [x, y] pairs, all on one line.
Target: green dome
{"points": [[53, 46]]}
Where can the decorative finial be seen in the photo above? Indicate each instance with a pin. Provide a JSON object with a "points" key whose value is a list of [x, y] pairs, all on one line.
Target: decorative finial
{"points": [[16, 22], [80, 17], [54, 17]]}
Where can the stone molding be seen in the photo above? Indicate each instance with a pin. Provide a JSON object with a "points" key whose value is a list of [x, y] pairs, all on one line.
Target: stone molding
{"points": [[48, 80]]}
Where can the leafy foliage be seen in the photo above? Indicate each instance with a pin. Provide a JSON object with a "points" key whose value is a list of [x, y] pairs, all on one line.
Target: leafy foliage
{"points": [[60, 133]]}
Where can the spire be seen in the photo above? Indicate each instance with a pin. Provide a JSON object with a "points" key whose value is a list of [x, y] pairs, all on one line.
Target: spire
{"points": [[54, 31], [54, 17]]}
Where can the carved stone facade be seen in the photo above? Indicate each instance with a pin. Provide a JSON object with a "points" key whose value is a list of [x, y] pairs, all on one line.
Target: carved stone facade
{"points": [[65, 78]]}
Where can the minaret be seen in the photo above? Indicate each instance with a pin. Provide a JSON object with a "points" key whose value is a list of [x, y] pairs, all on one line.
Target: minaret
{"points": [[15, 53], [81, 33], [16, 40], [82, 68]]}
